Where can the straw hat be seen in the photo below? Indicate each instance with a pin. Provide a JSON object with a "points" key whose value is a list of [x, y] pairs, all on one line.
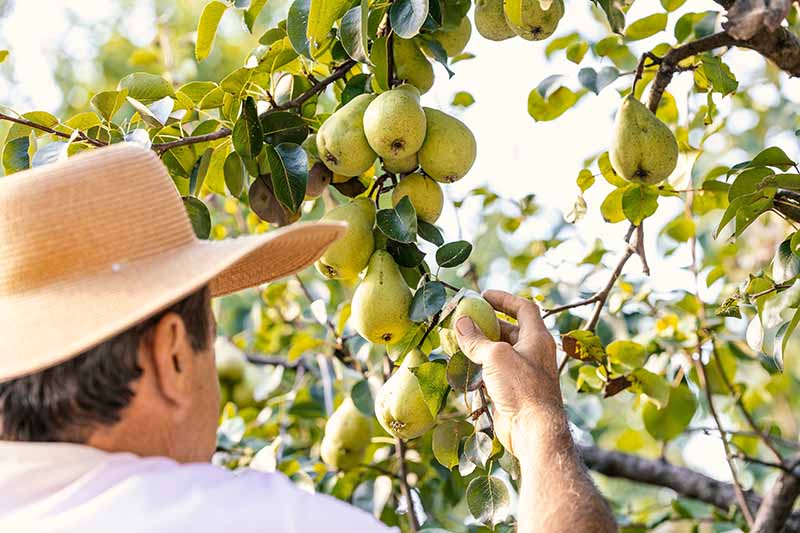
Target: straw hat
{"points": [[95, 244]]}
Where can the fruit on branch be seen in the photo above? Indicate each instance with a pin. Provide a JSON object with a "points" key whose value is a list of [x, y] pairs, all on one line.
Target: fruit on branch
{"points": [[481, 312], [529, 20], [319, 177], [643, 149], [347, 435], [347, 257], [266, 206], [490, 20], [454, 40], [401, 166], [394, 123], [341, 142], [411, 65], [381, 301], [424, 193], [449, 149], [400, 405]]}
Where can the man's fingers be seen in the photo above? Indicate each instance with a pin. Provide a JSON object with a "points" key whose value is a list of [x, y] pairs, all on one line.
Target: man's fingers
{"points": [[471, 339], [525, 311], [509, 332]]}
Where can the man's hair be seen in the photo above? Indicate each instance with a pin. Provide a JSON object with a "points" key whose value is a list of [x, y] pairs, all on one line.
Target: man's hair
{"points": [[65, 403]]}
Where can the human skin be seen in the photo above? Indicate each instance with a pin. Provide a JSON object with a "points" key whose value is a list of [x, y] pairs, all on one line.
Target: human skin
{"points": [[521, 377]]}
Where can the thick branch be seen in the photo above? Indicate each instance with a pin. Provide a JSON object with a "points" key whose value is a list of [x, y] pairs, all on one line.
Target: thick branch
{"points": [[775, 513], [41, 127]]}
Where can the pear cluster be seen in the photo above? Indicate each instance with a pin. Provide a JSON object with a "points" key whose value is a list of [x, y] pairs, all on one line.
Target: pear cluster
{"points": [[533, 20]]}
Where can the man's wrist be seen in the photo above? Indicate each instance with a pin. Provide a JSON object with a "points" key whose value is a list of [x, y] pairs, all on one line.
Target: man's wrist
{"points": [[540, 428]]}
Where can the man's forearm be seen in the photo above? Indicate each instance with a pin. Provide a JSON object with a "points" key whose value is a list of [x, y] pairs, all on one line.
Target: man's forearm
{"points": [[556, 495]]}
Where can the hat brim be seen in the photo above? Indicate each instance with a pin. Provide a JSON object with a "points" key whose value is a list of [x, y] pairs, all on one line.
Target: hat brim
{"points": [[46, 326]]}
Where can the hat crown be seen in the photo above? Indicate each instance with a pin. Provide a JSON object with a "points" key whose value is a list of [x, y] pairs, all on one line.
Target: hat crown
{"points": [[91, 213]]}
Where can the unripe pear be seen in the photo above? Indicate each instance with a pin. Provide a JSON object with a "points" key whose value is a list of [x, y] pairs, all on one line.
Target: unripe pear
{"points": [[449, 149], [400, 405], [528, 20], [490, 20], [347, 257], [411, 65], [401, 166], [341, 142], [394, 123], [347, 435], [319, 177], [643, 149], [454, 40], [424, 193], [481, 312], [379, 309]]}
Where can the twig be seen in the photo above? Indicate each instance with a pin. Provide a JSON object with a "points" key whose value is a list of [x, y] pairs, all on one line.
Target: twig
{"points": [[756, 460], [41, 127], [276, 361], [782, 442], [774, 288], [413, 521], [434, 321], [602, 296], [160, 148]]}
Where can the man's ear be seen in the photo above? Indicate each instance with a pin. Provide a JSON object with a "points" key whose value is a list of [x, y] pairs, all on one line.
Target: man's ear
{"points": [[172, 357]]}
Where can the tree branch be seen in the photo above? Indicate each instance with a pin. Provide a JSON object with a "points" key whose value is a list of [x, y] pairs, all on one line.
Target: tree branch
{"points": [[41, 127], [602, 296], [775, 513], [413, 521]]}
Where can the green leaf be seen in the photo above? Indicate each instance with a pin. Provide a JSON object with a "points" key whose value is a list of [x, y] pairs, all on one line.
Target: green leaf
{"points": [[15, 155], [252, 13], [639, 202], [379, 57], [672, 5], [749, 212], [782, 339], [407, 17], [583, 345], [433, 384], [651, 385], [576, 51], [773, 157], [446, 440], [462, 373], [463, 99], [145, 87], [429, 232], [585, 179], [353, 32], [405, 254], [199, 216], [680, 229], [785, 264], [668, 422], [3, 55], [435, 49], [321, 16], [718, 74], [399, 223], [560, 43], [207, 28], [646, 27], [478, 448], [428, 300], [107, 103], [554, 105], [488, 499], [234, 172], [361, 394], [235, 82], [247, 135], [794, 243], [611, 208], [614, 15], [297, 26], [748, 182], [283, 127], [453, 254], [627, 353], [288, 165], [608, 172]]}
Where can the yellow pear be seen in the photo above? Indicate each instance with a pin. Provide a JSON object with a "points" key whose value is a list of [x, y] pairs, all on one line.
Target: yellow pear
{"points": [[394, 123], [341, 142], [400, 405], [528, 20], [449, 149], [347, 257], [347, 435], [490, 20], [401, 166], [454, 40], [411, 65], [472, 305], [425, 195], [380, 303], [643, 149]]}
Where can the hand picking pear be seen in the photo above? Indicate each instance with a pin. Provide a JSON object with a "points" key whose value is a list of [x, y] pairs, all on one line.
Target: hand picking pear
{"points": [[449, 149], [401, 166], [454, 40], [347, 435], [411, 65], [472, 305], [490, 20], [643, 149], [394, 123], [380, 303], [425, 195], [347, 257], [528, 20], [400, 405], [341, 142]]}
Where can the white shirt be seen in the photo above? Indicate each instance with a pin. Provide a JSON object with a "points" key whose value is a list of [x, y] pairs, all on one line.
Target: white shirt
{"points": [[59, 488]]}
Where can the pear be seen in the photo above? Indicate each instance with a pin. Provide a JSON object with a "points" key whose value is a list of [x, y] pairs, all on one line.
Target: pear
{"points": [[347, 435], [400, 405], [643, 149], [381, 301], [449, 149], [425, 195], [319, 177], [347, 257], [480, 311], [341, 142], [402, 165], [528, 20], [411, 65], [454, 40], [394, 123], [490, 20]]}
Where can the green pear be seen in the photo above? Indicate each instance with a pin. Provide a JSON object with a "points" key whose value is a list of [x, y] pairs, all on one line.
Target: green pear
{"points": [[411, 65], [528, 20], [401, 166], [400, 405], [347, 435], [319, 177], [347, 257], [490, 20], [643, 149], [454, 40], [481, 312], [449, 149], [394, 123], [379, 309], [341, 142], [425, 195]]}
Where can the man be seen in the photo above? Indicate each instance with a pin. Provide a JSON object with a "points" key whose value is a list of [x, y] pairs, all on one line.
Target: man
{"points": [[108, 388]]}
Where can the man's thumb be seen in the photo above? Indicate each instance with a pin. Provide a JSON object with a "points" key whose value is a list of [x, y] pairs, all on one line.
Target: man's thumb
{"points": [[470, 337]]}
